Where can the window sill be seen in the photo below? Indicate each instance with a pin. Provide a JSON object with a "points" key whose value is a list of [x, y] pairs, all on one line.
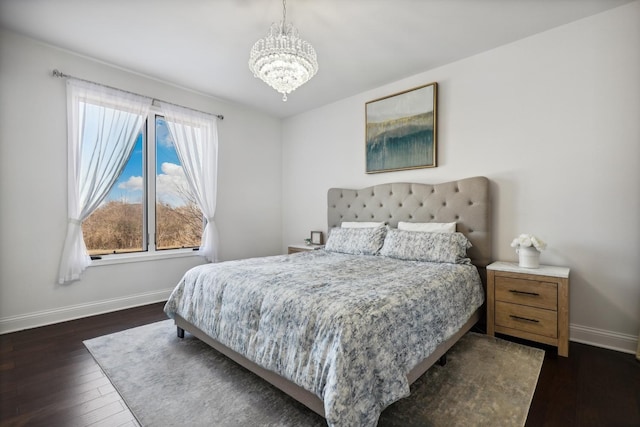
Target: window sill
{"points": [[143, 256]]}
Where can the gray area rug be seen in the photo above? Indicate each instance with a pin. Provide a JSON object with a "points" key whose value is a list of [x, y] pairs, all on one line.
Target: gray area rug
{"points": [[167, 381]]}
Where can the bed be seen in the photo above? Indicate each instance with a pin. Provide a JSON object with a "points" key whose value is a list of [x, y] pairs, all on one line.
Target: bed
{"points": [[347, 329]]}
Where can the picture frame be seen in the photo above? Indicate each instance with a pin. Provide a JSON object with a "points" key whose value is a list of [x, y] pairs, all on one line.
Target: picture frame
{"points": [[317, 238], [401, 130]]}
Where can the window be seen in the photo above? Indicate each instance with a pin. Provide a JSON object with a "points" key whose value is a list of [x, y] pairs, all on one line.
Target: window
{"points": [[150, 207], [112, 146], [179, 221]]}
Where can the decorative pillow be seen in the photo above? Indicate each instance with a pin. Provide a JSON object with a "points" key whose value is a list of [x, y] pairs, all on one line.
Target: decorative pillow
{"points": [[356, 241], [431, 227], [431, 247], [361, 224]]}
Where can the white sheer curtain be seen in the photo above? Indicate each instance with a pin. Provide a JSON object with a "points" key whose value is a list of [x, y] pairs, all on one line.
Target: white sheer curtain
{"points": [[195, 136], [102, 126]]}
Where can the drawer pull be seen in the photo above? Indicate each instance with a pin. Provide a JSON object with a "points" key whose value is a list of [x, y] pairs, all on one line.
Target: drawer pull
{"points": [[514, 291], [524, 319]]}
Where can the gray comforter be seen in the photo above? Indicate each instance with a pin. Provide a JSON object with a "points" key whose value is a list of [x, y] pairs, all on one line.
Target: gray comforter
{"points": [[347, 328]]}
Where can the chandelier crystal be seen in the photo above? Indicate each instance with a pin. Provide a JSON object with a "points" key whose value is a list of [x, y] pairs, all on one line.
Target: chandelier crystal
{"points": [[282, 59]]}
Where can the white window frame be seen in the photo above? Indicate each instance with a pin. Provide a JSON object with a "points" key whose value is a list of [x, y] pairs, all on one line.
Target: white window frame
{"points": [[149, 208]]}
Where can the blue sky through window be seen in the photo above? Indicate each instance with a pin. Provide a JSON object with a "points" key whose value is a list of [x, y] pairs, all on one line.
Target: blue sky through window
{"points": [[169, 173]]}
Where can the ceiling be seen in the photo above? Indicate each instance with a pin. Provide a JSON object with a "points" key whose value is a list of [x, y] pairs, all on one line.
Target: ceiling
{"points": [[361, 44]]}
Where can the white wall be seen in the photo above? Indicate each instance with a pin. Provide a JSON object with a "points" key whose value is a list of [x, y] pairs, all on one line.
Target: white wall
{"points": [[553, 121], [33, 189]]}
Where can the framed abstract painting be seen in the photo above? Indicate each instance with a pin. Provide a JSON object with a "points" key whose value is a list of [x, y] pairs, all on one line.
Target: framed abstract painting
{"points": [[401, 130]]}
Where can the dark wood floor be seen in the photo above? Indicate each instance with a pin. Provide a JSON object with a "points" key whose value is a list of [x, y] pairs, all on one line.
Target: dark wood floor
{"points": [[48, 378]]}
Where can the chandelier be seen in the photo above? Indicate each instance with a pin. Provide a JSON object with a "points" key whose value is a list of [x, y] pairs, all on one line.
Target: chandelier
{"points": [[282, 59]]}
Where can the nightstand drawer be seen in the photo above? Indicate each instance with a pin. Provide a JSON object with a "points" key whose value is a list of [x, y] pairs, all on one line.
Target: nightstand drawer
{"points": [[534, 320], [527, 292], [292, 249]]}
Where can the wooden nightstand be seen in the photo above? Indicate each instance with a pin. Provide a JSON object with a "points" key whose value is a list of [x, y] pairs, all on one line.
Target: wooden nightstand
{"points": [[529, 303], [302, 248]]}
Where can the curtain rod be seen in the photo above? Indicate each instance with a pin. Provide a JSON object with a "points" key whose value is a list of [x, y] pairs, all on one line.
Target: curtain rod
{"points": [[57, 73]]}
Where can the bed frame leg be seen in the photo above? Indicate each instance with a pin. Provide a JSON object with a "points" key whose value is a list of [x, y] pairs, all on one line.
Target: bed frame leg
{"points": [[180, 332], [443, 360]]}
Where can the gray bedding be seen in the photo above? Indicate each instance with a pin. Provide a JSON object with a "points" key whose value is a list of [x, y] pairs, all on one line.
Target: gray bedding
{"points": [[348, 328]]}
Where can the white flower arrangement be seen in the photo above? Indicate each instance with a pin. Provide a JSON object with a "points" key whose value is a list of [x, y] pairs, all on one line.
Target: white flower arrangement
{"points": [[527, 240]]}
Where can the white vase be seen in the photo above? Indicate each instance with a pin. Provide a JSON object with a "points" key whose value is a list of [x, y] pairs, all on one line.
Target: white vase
{"points": [[529, 257]]}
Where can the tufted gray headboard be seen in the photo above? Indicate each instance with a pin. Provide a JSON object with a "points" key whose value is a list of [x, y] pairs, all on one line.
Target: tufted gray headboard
{"points": [[465, 201]]}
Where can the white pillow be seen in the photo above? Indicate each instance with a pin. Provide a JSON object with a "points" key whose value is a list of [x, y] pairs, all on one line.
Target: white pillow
{"points": [[361, 224], [430, 227]]}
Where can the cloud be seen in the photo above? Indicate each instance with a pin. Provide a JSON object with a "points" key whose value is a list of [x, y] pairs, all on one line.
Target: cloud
{"points": [[171, 184], [134, 183]]}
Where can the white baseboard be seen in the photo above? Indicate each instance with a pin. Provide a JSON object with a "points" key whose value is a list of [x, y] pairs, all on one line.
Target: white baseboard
{"points": [[48, 317], [605, 339]]}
